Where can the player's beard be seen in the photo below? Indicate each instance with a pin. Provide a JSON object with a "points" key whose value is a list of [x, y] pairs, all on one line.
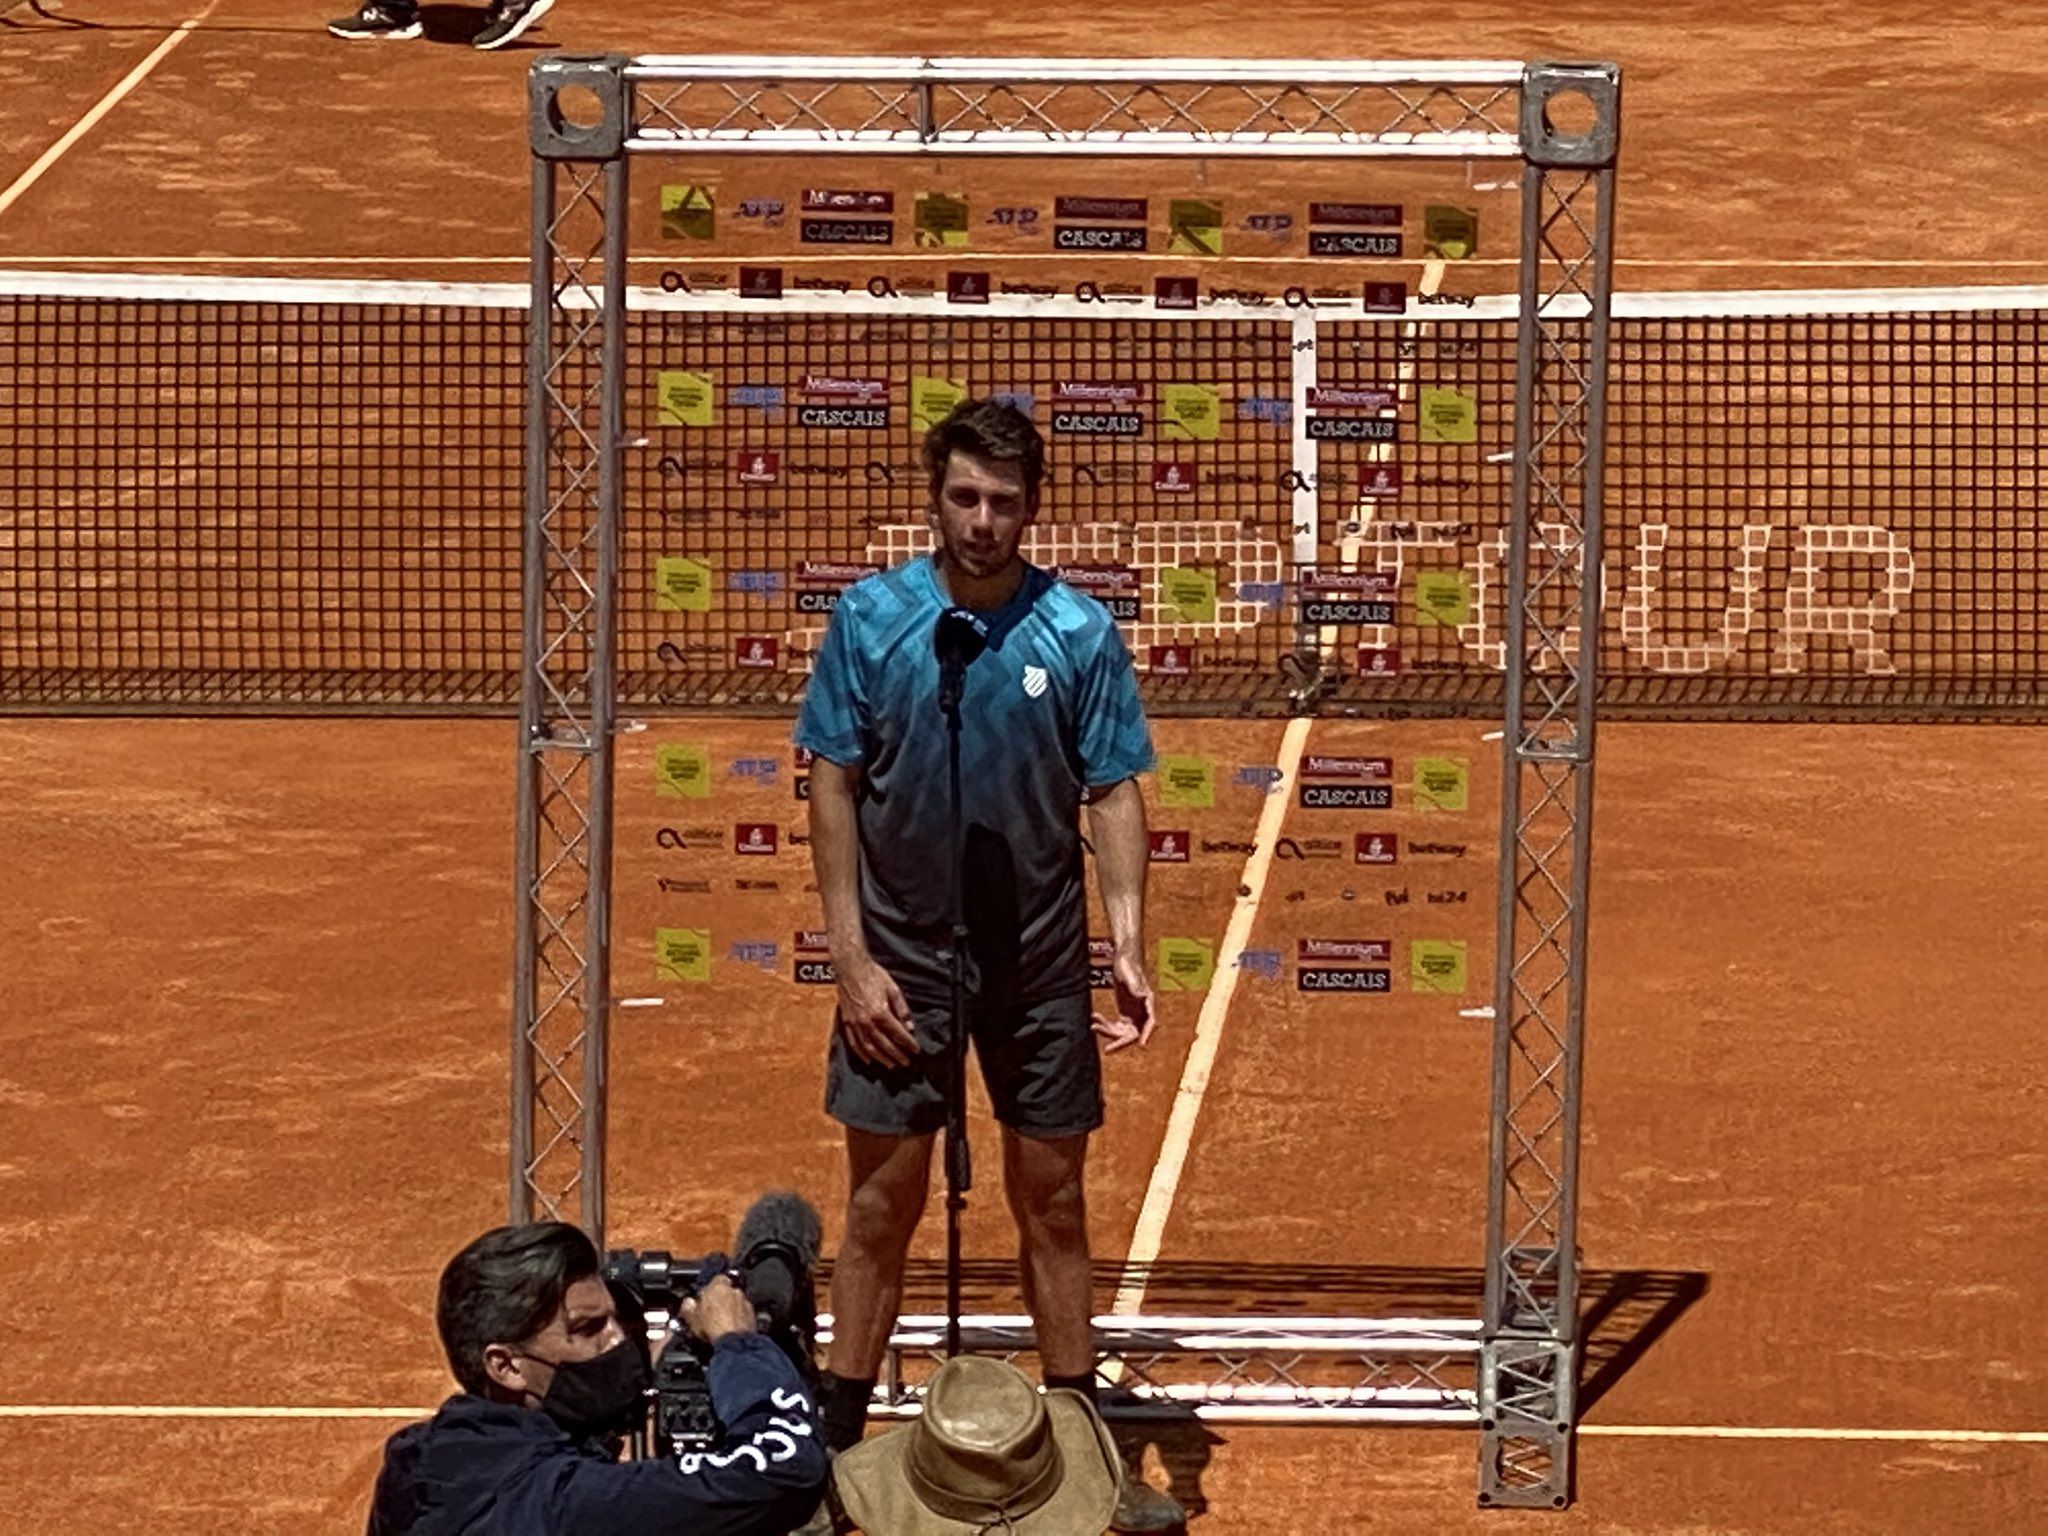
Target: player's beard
{"points": [[982, 562]]}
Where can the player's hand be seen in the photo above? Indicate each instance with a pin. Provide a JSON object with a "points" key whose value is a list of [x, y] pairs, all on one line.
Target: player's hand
{"points": [[1132, 1023], [874, 1015], [719, 1309]]}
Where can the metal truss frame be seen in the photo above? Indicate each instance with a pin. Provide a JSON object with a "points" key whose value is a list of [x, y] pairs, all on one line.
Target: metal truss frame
{"points": [[1513, 1371]]}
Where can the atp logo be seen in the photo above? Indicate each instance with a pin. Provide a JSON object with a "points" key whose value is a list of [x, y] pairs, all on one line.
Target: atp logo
{"points": [[1035, 682]]}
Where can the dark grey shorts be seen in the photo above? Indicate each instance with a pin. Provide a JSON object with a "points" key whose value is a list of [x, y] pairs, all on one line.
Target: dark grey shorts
{"points": [[1039, 1060]]}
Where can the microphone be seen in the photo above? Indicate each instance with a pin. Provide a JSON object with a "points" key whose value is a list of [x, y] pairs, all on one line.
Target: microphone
{"points": [[776, 1248], [961, 636]]}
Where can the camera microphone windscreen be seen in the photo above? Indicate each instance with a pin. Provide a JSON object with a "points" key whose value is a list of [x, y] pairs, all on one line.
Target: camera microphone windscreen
{"points": [[777, 1246]]}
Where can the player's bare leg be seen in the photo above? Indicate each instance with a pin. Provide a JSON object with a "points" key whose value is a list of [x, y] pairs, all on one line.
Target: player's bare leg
{"points": [[1044, 1181]]}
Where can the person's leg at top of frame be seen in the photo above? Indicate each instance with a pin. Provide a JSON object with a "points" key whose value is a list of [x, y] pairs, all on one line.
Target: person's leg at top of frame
{"points": [[1050, 722], [504, 22]]}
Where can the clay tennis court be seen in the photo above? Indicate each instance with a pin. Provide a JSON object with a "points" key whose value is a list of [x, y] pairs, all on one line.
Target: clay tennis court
{"points": [[255, 1065]]}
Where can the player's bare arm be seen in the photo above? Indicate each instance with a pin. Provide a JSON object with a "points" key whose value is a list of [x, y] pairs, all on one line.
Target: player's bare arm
{"points": [[1116, 828], [872, 1010]]}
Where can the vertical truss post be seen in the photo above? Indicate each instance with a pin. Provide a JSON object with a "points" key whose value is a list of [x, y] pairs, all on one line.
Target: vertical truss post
{"points": [[1529, 1361], [574, 483]]}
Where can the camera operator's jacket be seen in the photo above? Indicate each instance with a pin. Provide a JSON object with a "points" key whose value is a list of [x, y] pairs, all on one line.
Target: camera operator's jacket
{"points": [[479, 1468]]}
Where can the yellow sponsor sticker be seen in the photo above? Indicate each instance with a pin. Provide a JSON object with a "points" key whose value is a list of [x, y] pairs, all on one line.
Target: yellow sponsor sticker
{"points": [[940, 220], [681, 585], [1449, 415], [1194, 227], [1186, 965], [682, 769], [688, 212], [1437, 965], [932, 400], [1449, 232], [1193, 412], [1442, 783], [682, 954], [686, 398], [1187, 595], [1187, 782], [1444, 597]]}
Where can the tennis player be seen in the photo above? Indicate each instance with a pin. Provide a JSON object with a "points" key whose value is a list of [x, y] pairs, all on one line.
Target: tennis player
{"points": [[1051, 723]]}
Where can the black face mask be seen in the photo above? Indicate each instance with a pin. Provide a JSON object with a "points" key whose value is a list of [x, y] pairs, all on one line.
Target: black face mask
{"points": [[604, 1395]]}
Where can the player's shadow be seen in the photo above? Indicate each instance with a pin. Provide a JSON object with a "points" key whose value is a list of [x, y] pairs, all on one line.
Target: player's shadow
{"points": [[1623, 1313], [461, 23]]}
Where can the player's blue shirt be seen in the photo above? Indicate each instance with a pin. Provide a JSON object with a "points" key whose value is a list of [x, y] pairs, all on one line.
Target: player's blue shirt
{"points": [[1050, 709]]}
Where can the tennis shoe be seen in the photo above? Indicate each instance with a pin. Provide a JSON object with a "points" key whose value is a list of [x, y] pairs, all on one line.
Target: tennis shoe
{"points": [[508, 19], [379, 18]]}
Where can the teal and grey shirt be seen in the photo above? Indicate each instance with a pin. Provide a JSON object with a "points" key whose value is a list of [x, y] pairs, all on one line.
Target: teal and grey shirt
{"points": [[1050, 710]]}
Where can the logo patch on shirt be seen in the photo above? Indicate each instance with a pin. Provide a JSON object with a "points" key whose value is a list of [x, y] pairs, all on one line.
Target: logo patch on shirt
{"points": [[1035, 682]]}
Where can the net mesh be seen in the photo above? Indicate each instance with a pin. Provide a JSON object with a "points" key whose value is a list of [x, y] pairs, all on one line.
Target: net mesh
{"points": [[312, 499]]}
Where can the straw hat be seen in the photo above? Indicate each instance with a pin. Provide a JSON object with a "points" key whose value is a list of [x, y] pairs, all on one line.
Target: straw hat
{"points": [[990, 1453]]}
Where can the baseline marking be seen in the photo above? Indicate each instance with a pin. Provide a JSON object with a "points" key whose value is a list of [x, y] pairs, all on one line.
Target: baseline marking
{"points": [[1730, 263], [101, 108], [1777, 1432], [1801, 1432]]}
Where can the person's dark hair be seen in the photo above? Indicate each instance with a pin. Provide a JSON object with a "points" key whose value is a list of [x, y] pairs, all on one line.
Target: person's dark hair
{"points": [[504, 1287], [988, 429]]}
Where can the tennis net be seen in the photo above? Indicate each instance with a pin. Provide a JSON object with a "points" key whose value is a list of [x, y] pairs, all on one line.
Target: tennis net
{"points": [[271, 495]]}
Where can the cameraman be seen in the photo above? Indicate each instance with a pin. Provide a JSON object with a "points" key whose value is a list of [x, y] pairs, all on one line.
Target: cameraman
{"points": [[551, 1384]]}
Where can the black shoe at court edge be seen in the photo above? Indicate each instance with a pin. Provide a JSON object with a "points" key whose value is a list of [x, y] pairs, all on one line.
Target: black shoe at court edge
{"points": [[509, 18], [378, 18], [1142, 1508]]}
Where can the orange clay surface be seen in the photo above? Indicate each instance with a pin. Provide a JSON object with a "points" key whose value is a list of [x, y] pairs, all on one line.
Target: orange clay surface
{"points": [[253, 1036]]}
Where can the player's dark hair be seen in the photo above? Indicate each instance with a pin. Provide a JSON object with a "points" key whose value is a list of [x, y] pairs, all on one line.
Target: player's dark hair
{"points": [[988, 429], [504, 1288]]}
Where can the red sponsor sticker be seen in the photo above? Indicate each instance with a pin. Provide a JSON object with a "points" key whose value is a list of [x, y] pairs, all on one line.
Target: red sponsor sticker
{"points": [[1173, 660], [1174, 476], [967, 287], [1092, 392], [760, 282], [825, 386], [1352, 399], [757, 466], [1314, 767], [1176, 293], [1099, 578], [1101, 951], [759, 653], [812, 941], [1379, 661], [1170, 847], [1371, 583], [1376, 848], [754, 837], [832, 200], [1379, 482], [825, 573], [1309, 951], [801, 756], [1386, 298]]}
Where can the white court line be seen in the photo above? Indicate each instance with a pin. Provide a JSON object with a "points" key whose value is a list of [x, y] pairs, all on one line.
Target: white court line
{"points": [[1147, 1236], [1731, 263], [1777, 1432], [100, 109], [1801, 1432], [1194, 1076]]}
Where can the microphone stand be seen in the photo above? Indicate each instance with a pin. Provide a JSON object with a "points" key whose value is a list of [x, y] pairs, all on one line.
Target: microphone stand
{"points": [[959, 1164]]}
